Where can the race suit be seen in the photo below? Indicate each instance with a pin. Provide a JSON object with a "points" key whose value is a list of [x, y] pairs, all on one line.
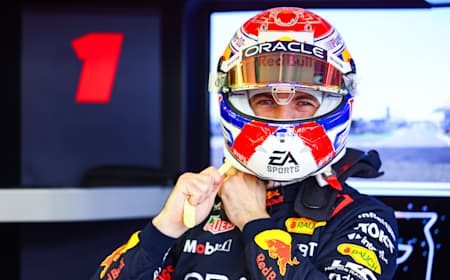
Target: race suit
{"points": [[357, 241]]}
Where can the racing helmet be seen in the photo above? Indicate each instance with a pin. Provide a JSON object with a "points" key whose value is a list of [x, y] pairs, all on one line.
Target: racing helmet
{"points": [[283, 53]]}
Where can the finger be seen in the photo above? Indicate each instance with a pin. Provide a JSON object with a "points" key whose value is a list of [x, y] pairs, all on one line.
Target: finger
{"points": [[199, 188], [189, 218]]}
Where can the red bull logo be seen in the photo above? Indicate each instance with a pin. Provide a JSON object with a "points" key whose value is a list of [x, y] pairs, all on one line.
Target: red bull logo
{"points": [[278, 245], [286, 60], [114, 257]]}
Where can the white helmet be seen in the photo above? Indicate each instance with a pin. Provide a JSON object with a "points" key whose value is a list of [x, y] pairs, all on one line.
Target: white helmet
{"points": [[285, 50]]}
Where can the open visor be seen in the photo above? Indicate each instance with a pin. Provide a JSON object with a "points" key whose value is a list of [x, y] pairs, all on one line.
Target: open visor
{"points": [[284, 67], [310, 103]]}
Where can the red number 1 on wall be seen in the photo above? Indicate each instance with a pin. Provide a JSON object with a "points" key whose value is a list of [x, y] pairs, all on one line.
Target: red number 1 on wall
{"points": [[100, 54]]}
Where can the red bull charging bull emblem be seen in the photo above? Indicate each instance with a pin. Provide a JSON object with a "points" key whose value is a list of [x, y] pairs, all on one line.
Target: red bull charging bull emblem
{"points": [[114, 257], [278, 244]]}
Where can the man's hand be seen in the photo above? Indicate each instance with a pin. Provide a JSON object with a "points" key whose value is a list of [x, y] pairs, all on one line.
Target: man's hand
{"points": [[243, 198], [199, 189]]}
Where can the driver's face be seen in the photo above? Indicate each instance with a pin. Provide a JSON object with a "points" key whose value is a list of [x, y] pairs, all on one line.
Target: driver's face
{"points": [[303, 105]]}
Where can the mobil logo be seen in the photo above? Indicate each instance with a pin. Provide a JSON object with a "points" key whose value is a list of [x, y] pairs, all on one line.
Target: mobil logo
{"points": [[207, 248]]}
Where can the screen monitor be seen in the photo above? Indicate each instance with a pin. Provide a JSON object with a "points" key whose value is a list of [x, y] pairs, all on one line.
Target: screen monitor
{"points": [[90, 93]]}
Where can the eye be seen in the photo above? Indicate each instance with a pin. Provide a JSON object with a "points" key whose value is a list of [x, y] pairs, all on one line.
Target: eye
{"points": [[302, 101], [265, 101], [262, 100]]}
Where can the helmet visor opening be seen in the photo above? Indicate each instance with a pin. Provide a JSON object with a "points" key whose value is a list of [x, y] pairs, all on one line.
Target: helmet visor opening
{"points": [[283, 102], [283, 67]]}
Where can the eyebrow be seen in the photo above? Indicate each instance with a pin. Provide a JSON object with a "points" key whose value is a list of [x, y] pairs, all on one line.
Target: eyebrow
{"points": [[263, 94]]}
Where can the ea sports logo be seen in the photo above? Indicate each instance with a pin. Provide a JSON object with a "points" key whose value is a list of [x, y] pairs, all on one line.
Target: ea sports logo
{"points": [[282, 162], [280, 158]]}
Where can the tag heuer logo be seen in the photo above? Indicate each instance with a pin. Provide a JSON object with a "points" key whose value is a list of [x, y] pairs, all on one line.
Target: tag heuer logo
{"points": [[216, 225]]}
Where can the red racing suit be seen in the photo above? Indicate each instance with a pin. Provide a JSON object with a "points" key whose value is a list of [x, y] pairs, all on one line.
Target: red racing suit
{"points": [[357, 241]]}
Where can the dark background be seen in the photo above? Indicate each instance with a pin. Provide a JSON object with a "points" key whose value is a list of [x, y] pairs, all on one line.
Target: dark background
{"points": [[63, 139], [429, 253], [179, 139]]}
